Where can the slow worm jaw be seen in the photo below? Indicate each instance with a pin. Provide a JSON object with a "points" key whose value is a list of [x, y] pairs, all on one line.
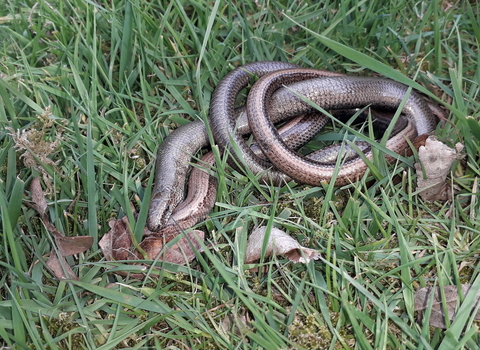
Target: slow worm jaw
{"points": [[171, 168]]}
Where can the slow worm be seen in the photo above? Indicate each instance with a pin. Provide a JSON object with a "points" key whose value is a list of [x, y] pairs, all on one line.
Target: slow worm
{"points": [[270, 98], [330, 93]]}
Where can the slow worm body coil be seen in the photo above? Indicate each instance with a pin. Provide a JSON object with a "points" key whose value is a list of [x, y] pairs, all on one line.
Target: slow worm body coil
{"points": [[273, 98]]}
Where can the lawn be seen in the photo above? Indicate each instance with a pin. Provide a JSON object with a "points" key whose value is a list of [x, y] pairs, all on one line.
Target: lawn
{"points": [[89, 89]]}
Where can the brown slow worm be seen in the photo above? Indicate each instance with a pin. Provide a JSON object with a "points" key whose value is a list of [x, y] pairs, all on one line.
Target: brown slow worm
{"points": [[223, 124], [176, 151], [168, 210], [330, 93], [201, 194]]}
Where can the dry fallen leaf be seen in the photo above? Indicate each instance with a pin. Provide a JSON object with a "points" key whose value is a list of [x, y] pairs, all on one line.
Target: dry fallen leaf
{"points": [[38, 197], [279, 243], [60, 267], [423, 297], [117, 245], [239, 322], [180, 253], [436, 158], [66, 246], [73, 245]]}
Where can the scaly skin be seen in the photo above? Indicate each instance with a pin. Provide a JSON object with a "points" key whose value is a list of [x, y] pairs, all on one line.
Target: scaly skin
{"points": [[175, 153]]}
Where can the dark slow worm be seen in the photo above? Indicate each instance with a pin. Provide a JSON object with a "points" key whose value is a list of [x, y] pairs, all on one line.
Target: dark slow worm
{"points": [[330, 93], [168, 210], [223, 123], [176, 151]]}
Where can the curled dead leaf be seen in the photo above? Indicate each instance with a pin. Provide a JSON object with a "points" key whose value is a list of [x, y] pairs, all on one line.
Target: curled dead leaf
{"points": [[238, 323], [117, 245], [38, 197], [66, 246], [436, 159], [73, 245], [180, 253], [423, 298], [60, 267], [279, 243]]}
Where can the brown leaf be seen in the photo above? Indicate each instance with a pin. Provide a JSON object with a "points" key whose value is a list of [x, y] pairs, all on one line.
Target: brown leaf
{"points": [[106, 245], [435, 158], [239, 322], [59, 266], [279, 243], [122, 243], [180, 253], [66, 245], [117, 245], [423, 297], [38, 197], [73, 245]]}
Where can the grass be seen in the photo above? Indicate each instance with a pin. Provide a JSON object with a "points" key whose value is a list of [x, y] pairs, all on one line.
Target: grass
{"points": [[95, 87]]}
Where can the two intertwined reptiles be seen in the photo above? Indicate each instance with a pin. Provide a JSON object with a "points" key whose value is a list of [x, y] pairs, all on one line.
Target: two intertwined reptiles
{"points": [[274, 97]]}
